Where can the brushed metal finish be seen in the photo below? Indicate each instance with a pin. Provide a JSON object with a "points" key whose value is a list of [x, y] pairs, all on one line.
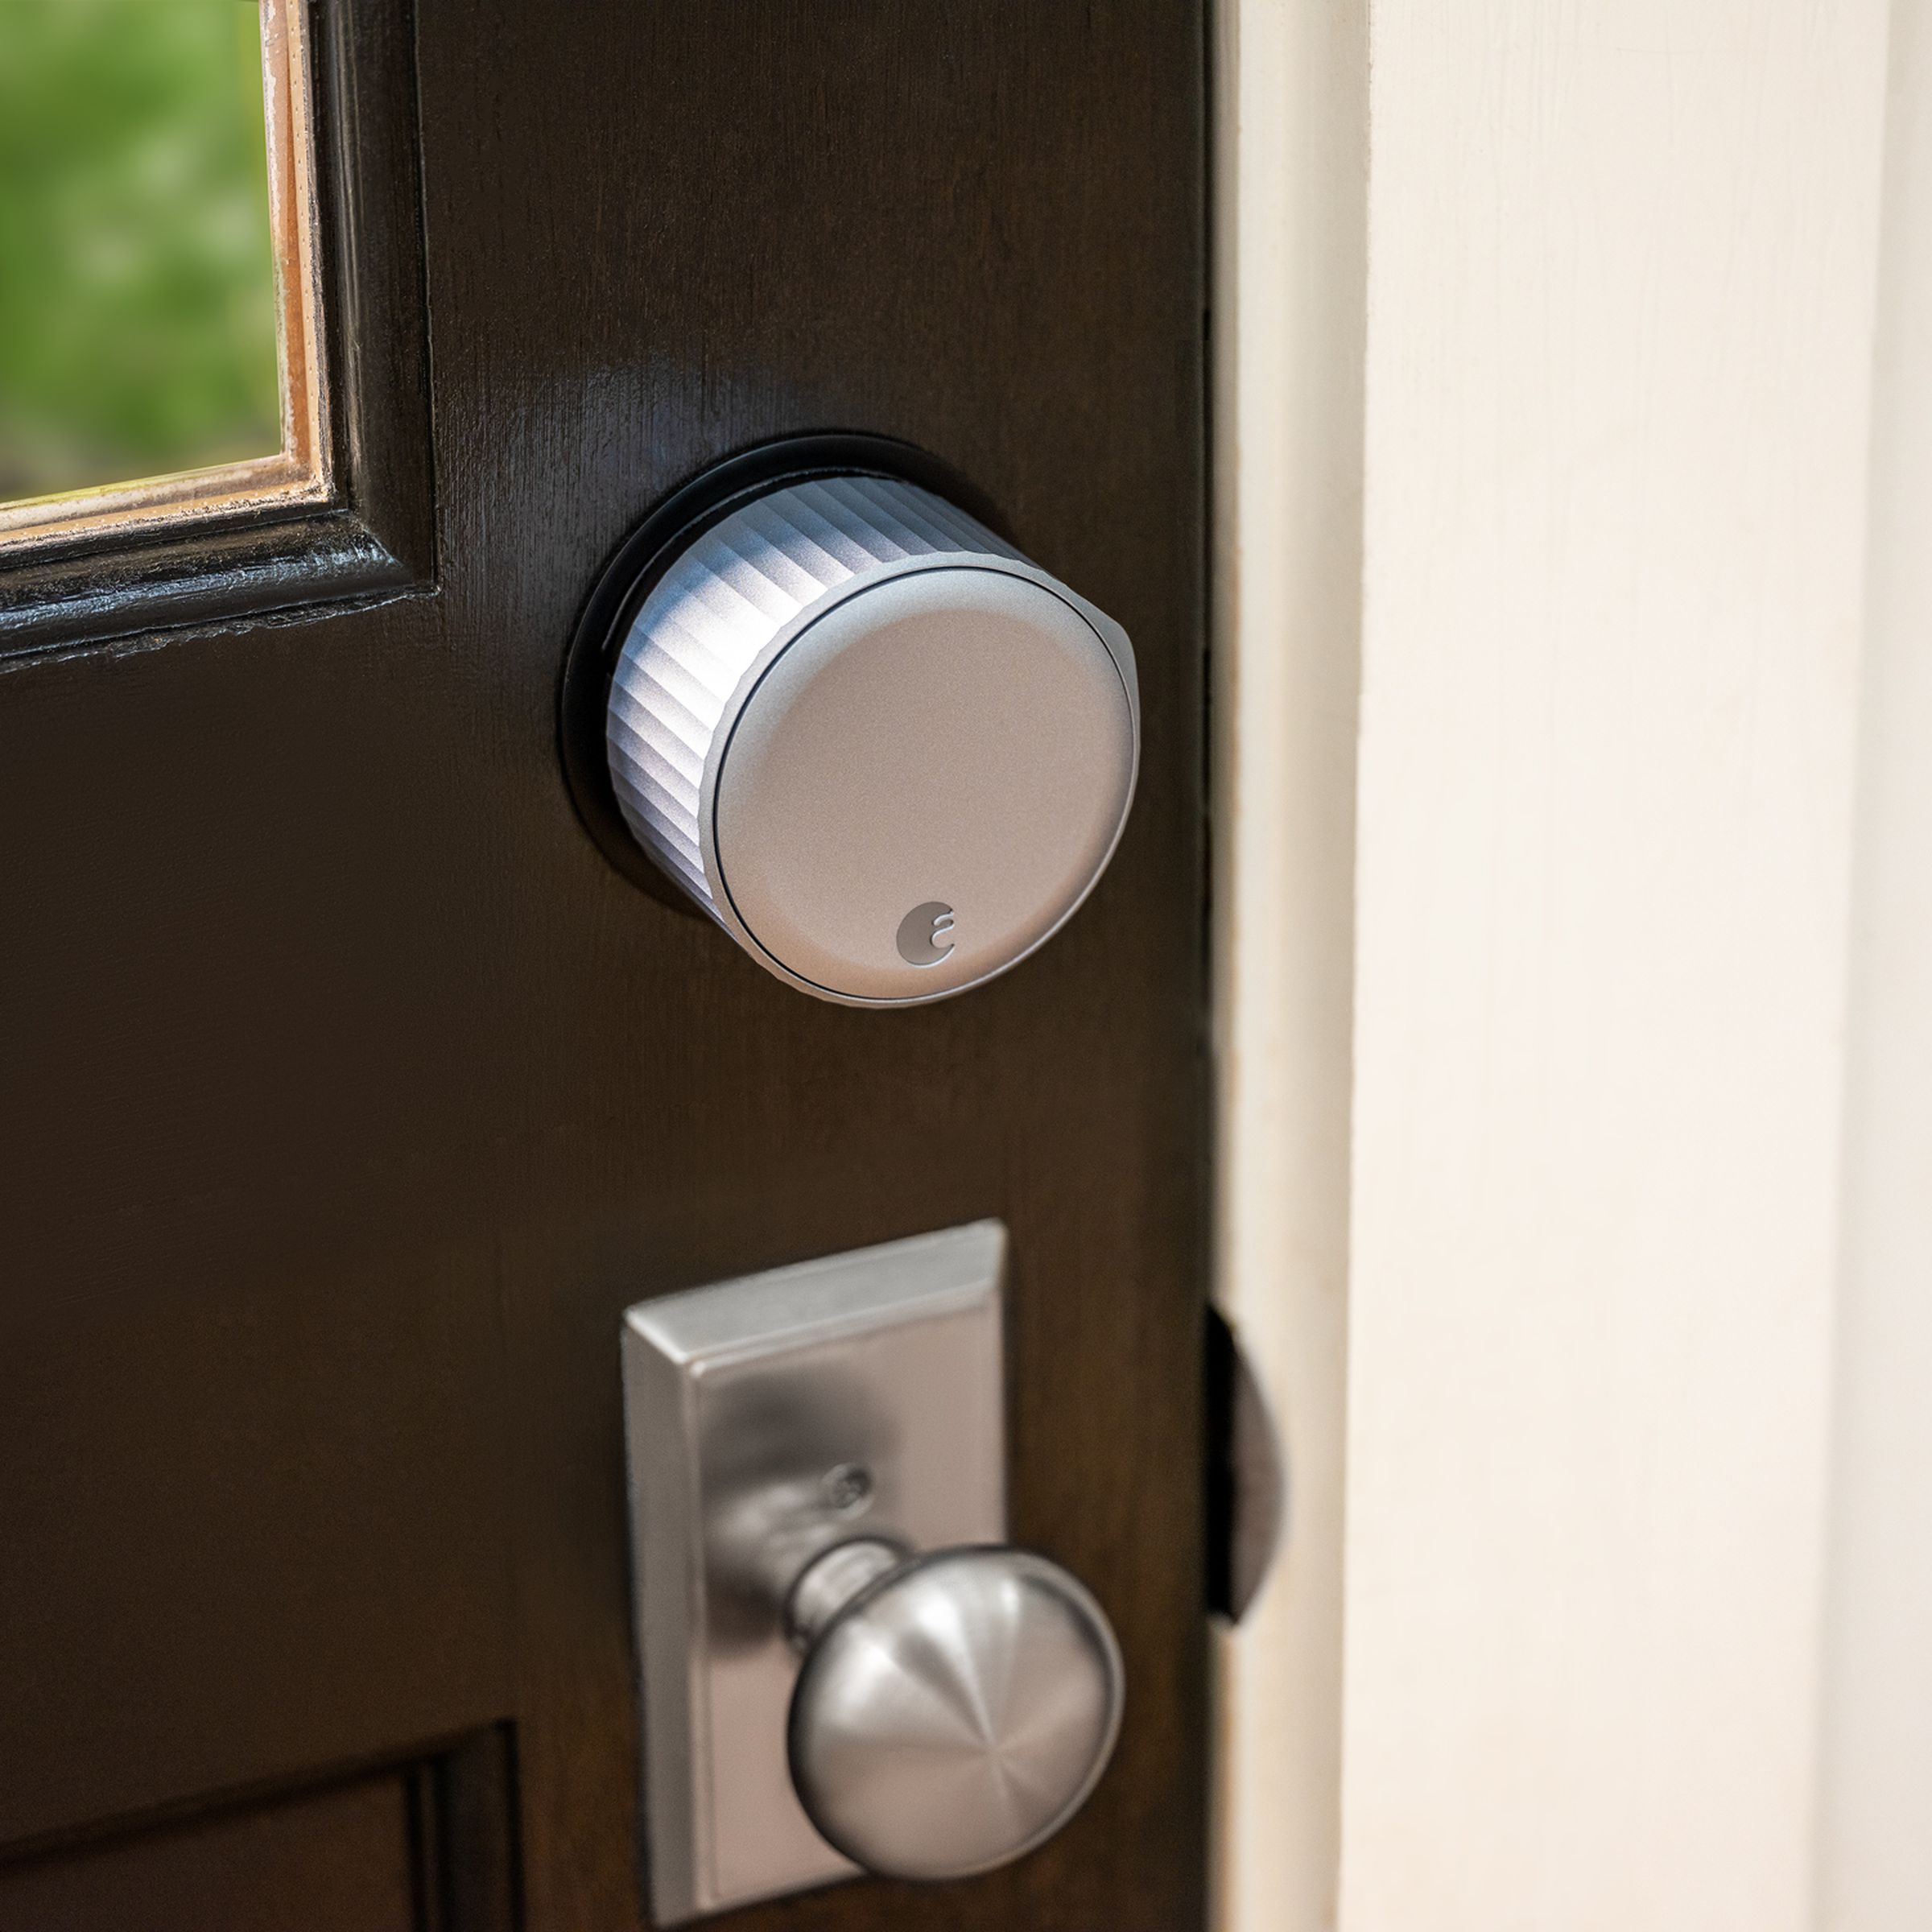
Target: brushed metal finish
{"points": [[832, 1581], [849, 702], [723, 606], [767, 1420], [955, 1712]]}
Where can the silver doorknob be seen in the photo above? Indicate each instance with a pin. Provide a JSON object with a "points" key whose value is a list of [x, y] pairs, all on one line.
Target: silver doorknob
{"points": [[954, 1709]]}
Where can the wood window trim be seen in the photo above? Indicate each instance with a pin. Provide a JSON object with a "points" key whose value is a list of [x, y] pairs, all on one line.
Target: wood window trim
{"points": [[346, 509]]}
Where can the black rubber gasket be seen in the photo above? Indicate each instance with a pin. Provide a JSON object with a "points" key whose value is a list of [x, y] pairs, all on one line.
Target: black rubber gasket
{"points": [[641, 561]]}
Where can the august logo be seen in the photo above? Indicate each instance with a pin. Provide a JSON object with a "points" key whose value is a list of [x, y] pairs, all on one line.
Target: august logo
{"points": [[925, 934]]}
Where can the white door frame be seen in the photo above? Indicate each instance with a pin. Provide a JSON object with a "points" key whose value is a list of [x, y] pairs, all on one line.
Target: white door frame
{"points": [[1545, 1653]]}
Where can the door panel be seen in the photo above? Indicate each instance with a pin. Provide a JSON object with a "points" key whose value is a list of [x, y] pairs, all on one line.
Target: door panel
{"points": [[418, 1847], [351, 1094], [340, 1862]]}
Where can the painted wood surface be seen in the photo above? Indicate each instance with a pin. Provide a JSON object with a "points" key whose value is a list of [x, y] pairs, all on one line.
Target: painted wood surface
{"points": [[1875, 1852], [351, 1094], [1622, 264], [1291, 82]]}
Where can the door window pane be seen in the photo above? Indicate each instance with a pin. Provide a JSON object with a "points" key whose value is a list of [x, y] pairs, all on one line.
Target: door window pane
{"points": [[140, 314]]}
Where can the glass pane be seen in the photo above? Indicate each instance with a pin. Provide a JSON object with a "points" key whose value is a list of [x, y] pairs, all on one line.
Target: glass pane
{"points": [[138, 309]]}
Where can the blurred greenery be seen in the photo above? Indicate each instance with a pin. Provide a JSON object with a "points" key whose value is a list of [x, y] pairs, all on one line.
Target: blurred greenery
{"points": [[137, 269]]}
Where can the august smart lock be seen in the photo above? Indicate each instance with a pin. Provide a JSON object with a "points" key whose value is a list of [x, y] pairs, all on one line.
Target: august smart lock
{"points": [[885, 752]]}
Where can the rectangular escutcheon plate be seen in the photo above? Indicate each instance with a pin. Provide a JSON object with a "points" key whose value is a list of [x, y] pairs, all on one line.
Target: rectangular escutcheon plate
{"points": [[766, 1419]]}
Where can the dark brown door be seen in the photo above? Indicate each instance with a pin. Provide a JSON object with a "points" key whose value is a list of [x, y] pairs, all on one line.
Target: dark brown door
{"points": [[350, 1093]]}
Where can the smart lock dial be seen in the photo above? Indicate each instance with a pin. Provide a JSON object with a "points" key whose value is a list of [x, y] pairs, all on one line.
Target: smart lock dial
{"points": [[885, 752]]}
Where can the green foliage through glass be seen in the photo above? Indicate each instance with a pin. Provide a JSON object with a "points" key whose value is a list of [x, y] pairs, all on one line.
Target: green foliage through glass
{"points": [[136, 262]]}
